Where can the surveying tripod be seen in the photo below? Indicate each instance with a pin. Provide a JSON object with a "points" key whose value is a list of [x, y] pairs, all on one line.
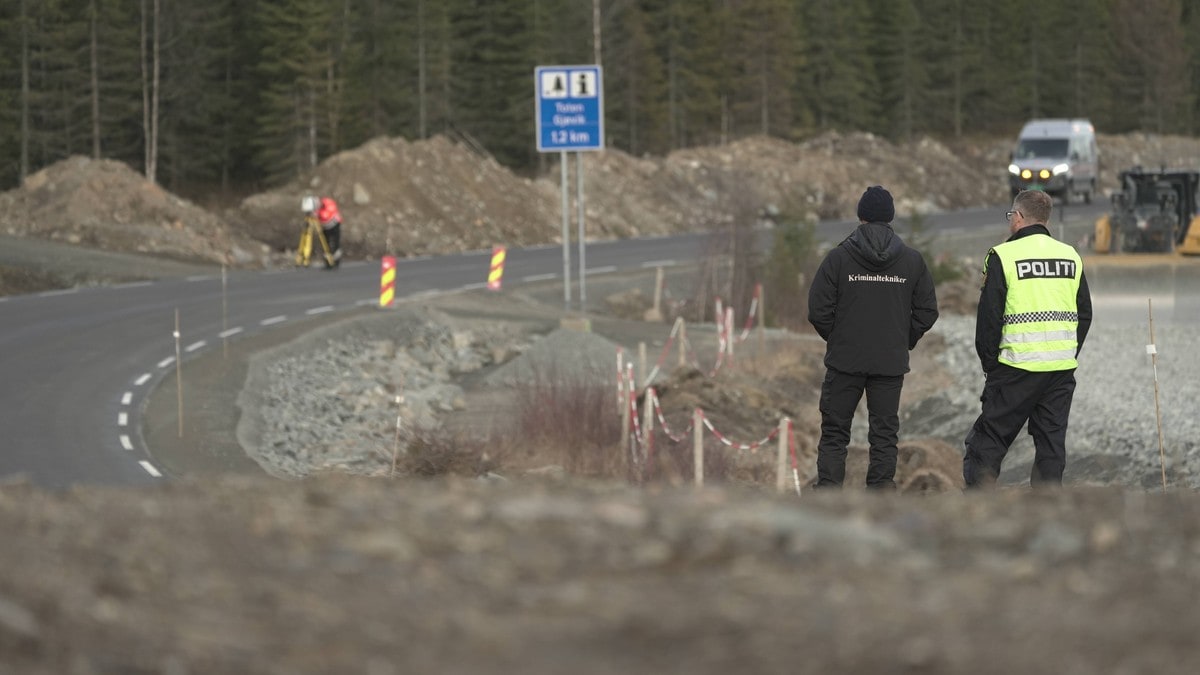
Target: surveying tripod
{"points": [[312, 230]]}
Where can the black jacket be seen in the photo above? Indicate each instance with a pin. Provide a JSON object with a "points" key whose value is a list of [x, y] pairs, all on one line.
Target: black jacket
{"points": [[871, 300], [989, 318]]}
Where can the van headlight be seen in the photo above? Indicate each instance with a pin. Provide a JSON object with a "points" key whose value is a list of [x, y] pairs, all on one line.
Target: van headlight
{"points": [[1061, 168], [1014, 169]]}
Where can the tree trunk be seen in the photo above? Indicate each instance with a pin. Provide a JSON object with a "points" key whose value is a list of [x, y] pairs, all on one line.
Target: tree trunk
{"points": [[150, 81], [422, 115], [24, 22], [145, 92], [596, 51], [95, 77], [152, 173]]}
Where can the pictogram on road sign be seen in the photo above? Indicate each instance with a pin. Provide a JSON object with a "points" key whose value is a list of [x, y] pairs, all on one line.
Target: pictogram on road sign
{"points": [[570, 108]]}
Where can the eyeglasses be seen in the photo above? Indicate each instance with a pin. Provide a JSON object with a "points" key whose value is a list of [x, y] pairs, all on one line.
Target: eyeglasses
{"points": [[1009, 214]]}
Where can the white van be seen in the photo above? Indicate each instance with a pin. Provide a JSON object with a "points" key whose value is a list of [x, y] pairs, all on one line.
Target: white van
{"points": [[1058, 156]]}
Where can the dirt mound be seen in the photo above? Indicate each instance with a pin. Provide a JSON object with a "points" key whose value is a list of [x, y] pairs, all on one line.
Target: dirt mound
{"points": [[411, 198], [1150, 151], [437, 196], [1118, 152], [104, 204], [825, 176]]}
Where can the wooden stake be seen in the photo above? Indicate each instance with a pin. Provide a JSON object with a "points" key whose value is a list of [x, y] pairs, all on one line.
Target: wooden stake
{"points": [[396, 442], [647, 429], [1153, 351], [642, 372], [781, 458], [762, 321], [224, 314], [698, 446], [178, 373], [682, 342], [626, 415]]}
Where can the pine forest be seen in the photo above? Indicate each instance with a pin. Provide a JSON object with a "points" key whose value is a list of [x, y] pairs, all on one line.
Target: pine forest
{"points": [[229, 96]]}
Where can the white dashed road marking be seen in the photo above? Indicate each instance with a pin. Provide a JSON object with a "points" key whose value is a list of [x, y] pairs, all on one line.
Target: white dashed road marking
{"points": [[540, 277], [231, 331], [127, 398], [126, 443], [319, 310], [273, 320], [123, 420], [195, 345], [166, 362], [141, 380], [150, 469]]}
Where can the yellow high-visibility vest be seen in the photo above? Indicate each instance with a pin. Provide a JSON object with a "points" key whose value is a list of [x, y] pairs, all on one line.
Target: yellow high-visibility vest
{"points": [[1041, 317]]}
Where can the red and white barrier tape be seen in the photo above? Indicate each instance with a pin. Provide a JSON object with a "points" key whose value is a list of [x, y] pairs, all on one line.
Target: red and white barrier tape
{"points": [[737, 446], [662, 422]]}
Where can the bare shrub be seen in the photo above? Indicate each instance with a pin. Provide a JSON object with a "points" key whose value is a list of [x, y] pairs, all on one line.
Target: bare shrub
{"points": [[731, 263], [574, 419], [431, 454]]}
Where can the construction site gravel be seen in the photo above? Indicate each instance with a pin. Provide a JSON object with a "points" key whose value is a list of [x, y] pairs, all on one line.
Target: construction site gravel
{"points": [[327, 528]]}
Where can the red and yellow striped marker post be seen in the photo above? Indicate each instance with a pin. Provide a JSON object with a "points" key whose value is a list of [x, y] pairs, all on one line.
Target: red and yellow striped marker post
{"points": [[497, 269], [387, 281]]}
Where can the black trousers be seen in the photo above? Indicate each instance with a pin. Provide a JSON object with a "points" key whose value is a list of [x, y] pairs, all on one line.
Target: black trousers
{"points": [[333, 236], [1011, 397], [840, 394]]}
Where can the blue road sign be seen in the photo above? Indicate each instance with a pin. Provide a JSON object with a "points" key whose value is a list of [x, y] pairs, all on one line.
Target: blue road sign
{"points": [[570, 108]]}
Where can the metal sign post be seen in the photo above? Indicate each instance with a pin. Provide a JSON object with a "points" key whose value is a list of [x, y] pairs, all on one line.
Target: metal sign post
{"points": [[570, 118], [566, 233]]}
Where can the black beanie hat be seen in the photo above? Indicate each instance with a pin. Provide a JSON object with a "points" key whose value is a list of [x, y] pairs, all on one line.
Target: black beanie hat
{"points": [[876, 205]]}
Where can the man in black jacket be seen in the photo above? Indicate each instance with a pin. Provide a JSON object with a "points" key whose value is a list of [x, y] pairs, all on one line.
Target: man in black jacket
{"points": [[871, 300]]}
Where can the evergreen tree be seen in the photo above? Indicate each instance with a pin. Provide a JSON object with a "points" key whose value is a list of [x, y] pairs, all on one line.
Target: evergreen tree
{"points": [[1153, 57], [635, 108], [760, 44], [59, 96], [382, 92], [684, 34], [491, 79], [296, 63], [198, 102], [12, 33], [838, 82], [901, 72]]}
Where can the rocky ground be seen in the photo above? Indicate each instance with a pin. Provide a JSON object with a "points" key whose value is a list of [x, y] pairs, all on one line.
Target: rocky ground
{"points": [[310, 547]]}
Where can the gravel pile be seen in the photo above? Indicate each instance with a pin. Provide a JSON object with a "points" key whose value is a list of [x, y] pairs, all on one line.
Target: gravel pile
{"points": [[1113, 436], [332, 400]]}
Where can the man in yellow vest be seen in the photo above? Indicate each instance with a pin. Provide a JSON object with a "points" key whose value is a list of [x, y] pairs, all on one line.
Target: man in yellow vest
{"points": [[1034, 313]]}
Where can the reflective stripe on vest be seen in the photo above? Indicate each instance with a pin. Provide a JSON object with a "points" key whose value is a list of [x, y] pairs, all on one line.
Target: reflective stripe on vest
{"points": [[1041, 319]]}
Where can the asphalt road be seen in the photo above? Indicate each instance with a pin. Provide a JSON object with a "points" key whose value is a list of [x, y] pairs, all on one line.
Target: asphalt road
{"points": [[79, 364]]}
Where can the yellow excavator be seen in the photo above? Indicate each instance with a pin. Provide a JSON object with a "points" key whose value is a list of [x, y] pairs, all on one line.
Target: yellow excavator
{"points": [[1155, 212]]}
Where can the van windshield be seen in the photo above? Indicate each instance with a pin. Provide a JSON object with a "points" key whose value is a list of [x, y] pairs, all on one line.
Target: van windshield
{"points": [[1032, 148]]}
